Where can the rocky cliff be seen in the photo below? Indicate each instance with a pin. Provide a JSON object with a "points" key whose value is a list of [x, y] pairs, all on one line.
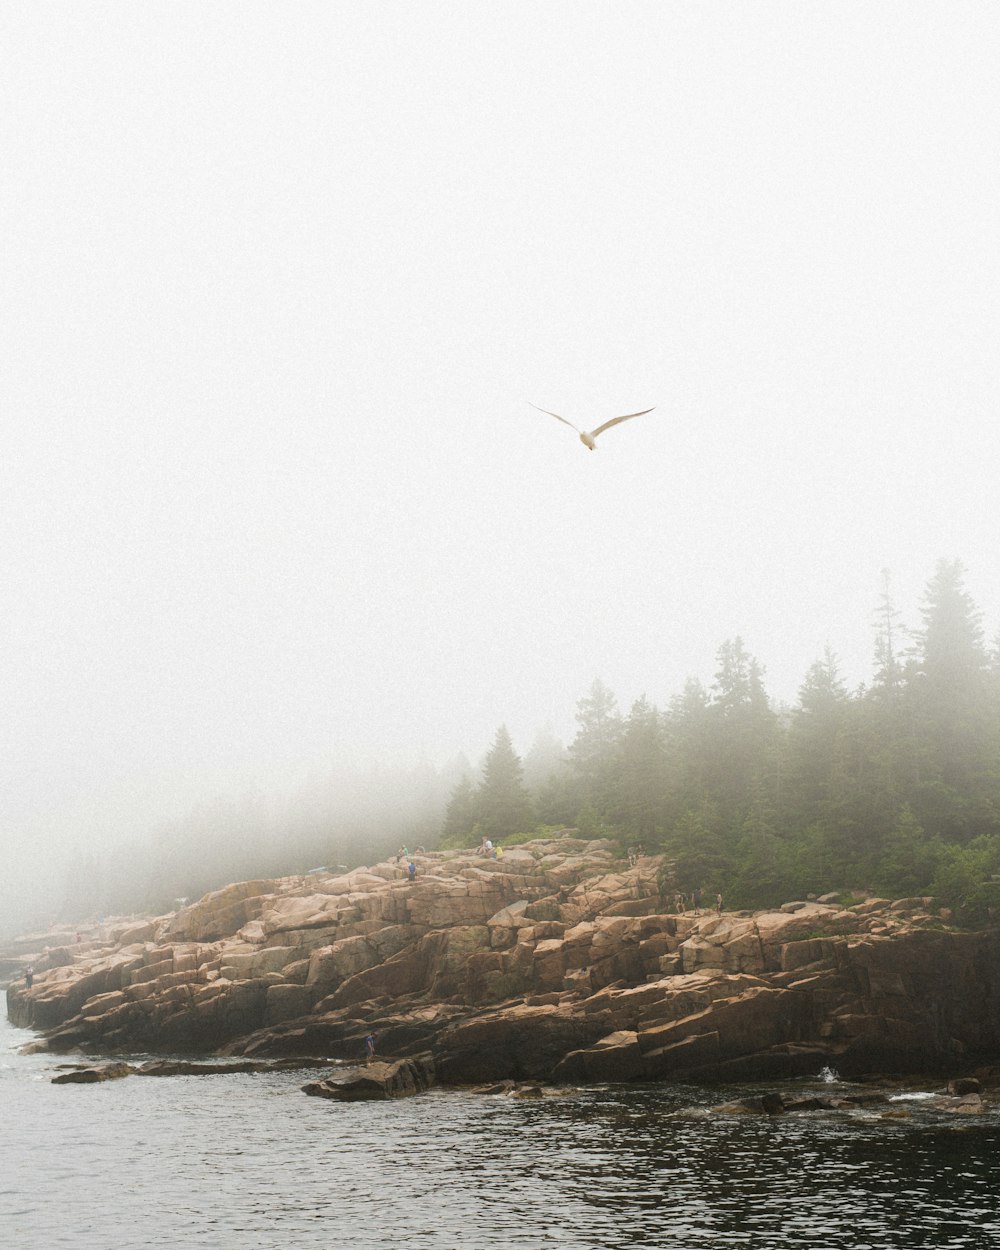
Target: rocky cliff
{"points": [[556, 962]]}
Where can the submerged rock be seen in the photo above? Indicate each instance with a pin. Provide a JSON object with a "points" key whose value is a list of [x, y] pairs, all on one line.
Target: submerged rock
{"points": [[966, 1104], [181, 1067], [766, 1104], [90, 1076]]}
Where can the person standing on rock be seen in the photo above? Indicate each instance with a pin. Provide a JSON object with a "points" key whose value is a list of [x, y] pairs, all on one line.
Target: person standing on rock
{"points": [[411, 868], [370, 1048], [696, 900], [718, 903], [29, 978]]}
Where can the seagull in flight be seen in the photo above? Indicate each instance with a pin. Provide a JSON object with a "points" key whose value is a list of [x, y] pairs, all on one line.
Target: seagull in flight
{"points": [[587, 437]]}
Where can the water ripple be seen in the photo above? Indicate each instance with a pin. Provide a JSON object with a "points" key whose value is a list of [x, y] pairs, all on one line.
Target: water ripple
{"points": [[247, 1162]]}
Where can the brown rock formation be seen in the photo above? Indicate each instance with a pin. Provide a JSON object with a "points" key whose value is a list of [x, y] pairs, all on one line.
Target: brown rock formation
{"points": [[555, 962], [377, 1081]]}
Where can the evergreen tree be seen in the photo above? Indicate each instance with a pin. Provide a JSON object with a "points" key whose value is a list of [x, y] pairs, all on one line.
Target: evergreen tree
{"points": [[702, 856], [461, 814], [594, 752], [764, 871], [955, 713], [643, 777], [559, 800], [741, 748], [951, 643], [687, 731], [546, 759], [504, 806], [739, 682], [888, 681], [815, 762], [909, 860]]}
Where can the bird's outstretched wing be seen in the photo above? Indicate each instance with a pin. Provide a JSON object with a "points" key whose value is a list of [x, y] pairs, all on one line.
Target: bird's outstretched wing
{"points": [[616, 421], [558, 417]]}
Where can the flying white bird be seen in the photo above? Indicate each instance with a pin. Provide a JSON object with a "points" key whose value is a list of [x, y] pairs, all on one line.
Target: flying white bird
{"points": [[587, 437]]}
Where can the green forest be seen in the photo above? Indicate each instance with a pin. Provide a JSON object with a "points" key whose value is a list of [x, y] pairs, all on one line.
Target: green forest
{"points": [[893, 788]]}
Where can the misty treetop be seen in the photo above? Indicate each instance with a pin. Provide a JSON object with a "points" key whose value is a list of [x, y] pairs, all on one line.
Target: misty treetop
{"points": [[894, 788]]}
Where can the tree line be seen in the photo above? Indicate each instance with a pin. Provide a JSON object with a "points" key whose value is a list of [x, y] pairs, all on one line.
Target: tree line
{"points": [[892, 788]]}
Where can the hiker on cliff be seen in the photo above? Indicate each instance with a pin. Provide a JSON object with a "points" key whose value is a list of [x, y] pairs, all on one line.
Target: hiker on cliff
{"points": [[370, 1049], [718, 903], [29, 978], [411, 868]]}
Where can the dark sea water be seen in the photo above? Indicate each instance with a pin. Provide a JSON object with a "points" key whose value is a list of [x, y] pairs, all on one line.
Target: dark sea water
{"points": [[251, 1163]]}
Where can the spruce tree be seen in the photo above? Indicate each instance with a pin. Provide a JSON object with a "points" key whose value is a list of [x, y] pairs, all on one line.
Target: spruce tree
{"points": [[595, 751], [643, 779], [504, 806], [741, 748], [461, 814], [956, 718], [815, 779]]}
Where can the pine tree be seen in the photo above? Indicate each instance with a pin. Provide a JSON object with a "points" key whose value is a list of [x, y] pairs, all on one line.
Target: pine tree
{"points": [[956, 718], [461, 814], [643, 777], [595, 751], [741, 747], [888, 680], [816, 741], [546, 759], [504, 806], [764, 871], [701, 855], [687, 729]]}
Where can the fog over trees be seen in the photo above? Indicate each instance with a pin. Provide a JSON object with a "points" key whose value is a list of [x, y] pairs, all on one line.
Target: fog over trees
{"points": [[893, 787], [282, 533]]}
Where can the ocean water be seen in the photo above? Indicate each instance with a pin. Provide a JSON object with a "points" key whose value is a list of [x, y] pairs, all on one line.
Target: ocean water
{"points": [[248, 1162]]}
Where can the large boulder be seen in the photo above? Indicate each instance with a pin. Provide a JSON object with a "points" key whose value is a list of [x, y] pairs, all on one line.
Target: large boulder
{"points": [[377, 1081], [221, 913]]}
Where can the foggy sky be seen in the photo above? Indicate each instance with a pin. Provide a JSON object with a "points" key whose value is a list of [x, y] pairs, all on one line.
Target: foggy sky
{"points": [[279, 282]]}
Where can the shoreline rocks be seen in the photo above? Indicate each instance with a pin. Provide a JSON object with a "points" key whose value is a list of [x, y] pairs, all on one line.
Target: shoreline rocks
{"points": [[558, 962], [378, 1080]]}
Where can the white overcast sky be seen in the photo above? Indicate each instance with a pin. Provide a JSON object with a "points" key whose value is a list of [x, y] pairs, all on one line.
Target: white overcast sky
{"points": [[279, 280]]}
